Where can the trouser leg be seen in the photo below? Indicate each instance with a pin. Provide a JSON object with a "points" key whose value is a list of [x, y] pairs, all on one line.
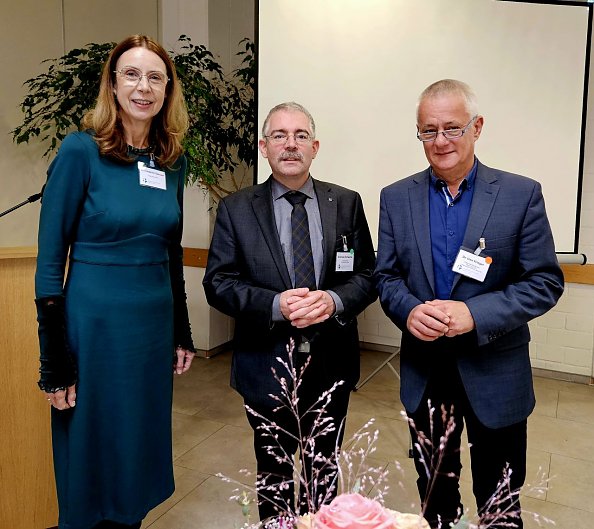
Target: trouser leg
{"points": [[491, 451], [319, 478], [275, 485], [438, 470]]}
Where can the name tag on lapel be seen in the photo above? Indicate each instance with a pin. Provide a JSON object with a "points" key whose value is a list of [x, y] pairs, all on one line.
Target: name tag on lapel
{"points": [[471, 265]]}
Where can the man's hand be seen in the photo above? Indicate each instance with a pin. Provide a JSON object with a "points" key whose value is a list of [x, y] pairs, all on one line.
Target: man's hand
{"points": [[427, 322], [303, 307], [460, 318], [289, 297]]}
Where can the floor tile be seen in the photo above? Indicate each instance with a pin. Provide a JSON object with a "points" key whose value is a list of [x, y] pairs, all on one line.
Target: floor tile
{"points": [[576, 407], [562, 437], [547, 401], [206, 507], [228, 451], [371, 360], [186, 480], [376, 400], [535, 511], [229, 408], [192, 396], [562, 385], [403, 495], [190, 430], [572, 483], [394, 438], [213, 368]]}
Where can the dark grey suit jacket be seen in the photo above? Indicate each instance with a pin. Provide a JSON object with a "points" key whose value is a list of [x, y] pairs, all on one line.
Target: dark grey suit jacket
{"points": [[523, 282], [246, 269]]}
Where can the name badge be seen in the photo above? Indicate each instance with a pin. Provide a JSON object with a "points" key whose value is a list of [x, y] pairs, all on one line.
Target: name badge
{"points": [[471, 265], [151, 177], [345, 261]]}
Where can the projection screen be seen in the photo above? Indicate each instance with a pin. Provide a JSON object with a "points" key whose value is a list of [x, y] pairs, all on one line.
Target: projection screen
{"points": [[359, 67]]}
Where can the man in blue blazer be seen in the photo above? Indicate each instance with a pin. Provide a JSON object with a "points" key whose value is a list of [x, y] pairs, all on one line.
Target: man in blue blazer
{"points": [[255, 274], [465, 260]]}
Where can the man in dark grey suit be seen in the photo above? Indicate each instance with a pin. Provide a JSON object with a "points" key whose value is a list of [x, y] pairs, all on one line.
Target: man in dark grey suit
{"points": [[284, 277], [465, 259]]}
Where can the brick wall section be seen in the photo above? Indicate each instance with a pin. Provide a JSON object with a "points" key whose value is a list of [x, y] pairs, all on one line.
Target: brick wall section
{"points": [[562, 339]]}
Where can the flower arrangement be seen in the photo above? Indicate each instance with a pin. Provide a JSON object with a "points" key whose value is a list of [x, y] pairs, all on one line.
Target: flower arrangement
{"points": [[359, 488]]}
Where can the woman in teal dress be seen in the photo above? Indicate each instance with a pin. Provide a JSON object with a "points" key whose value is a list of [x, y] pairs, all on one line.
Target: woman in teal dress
{"points": [[112, 334]]}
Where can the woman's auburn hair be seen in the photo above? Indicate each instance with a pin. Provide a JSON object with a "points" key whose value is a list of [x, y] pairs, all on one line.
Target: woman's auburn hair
{"points": [[168, 127]]}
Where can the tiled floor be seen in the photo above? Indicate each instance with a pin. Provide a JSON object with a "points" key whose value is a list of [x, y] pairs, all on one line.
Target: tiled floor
{"points": [[211, 435]]}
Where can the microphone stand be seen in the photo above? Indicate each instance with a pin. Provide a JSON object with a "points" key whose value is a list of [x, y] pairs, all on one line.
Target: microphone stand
{"points": [[32, 198]]}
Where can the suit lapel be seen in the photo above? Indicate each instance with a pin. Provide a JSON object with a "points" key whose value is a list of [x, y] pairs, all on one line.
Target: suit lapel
{"points": [[328, 206], [264, 213], [419, 206], [483, 200]]}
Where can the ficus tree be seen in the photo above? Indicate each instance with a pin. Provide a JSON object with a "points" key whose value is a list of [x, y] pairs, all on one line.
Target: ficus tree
{"points": [[220, 144]]}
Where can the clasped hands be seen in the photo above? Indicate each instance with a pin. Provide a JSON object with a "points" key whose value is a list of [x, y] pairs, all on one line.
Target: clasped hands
{"points": [[304, 307], [434, 319]]}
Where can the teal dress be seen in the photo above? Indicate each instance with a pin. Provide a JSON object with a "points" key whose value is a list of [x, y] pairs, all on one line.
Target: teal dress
{"points": [[112, 451]]}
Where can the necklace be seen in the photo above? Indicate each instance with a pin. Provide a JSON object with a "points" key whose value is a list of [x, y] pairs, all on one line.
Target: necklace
{"points": [[139, 151]]}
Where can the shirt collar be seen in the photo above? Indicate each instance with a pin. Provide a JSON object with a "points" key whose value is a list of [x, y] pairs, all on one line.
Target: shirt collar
{"points": [[278, 189], [467, 183]]}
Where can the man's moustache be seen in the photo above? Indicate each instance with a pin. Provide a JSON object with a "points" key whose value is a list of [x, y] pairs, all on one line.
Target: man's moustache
{"points": [[291, 156]]}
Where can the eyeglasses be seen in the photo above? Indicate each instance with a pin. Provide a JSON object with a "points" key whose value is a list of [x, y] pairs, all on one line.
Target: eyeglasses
{"points": [[132, 76], [278, 138], [450, 134]]}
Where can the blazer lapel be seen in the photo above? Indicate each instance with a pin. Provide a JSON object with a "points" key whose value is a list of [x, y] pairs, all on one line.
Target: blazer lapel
{"points": [[264, 213], [483, 200], [419, 206], [328, 206]]}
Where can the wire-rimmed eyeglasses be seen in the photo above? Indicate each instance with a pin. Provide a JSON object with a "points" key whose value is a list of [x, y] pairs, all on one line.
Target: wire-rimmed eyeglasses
{"points": [[279, 137], [450, 134], [133, 76]]}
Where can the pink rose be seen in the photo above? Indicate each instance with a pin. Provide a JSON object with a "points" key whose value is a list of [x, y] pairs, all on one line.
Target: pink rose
{"points": [[353, 511]]}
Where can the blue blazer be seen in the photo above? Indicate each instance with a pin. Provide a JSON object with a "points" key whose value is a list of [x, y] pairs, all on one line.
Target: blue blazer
{"points": [[246, 269], [523, 282]]}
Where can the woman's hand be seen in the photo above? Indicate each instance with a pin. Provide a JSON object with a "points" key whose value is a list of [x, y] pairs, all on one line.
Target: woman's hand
{"points": [[63, 399], [184, 360]]}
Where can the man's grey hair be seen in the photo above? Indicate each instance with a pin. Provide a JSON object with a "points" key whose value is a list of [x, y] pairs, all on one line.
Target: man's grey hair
{"points": [[449, 87], [291, 106]]}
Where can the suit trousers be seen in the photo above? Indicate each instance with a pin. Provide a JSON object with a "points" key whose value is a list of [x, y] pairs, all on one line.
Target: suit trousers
{"points": [[275, 479], [490, 451]]}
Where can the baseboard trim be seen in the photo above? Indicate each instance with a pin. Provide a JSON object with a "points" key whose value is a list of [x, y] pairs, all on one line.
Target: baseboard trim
{"points": [[561, 375], [208, 353], [536, 371]]}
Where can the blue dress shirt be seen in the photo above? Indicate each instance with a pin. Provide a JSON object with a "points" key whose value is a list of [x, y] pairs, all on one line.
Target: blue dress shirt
{"points": [[448, 217]]}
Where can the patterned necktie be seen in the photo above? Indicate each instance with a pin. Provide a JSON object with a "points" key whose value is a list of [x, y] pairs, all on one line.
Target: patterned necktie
{"points": [[302, 256]]}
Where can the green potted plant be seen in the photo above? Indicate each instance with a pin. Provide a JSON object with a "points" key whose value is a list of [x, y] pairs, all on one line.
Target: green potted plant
{"points": [[220, 141]]}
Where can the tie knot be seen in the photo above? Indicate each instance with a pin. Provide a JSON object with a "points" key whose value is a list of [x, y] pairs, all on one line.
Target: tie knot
{"points": [[296, 197]]}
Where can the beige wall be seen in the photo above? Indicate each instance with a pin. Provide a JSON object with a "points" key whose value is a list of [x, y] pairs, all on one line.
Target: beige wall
{"points": [[36, 29], [32, 31], [220, 24]]}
